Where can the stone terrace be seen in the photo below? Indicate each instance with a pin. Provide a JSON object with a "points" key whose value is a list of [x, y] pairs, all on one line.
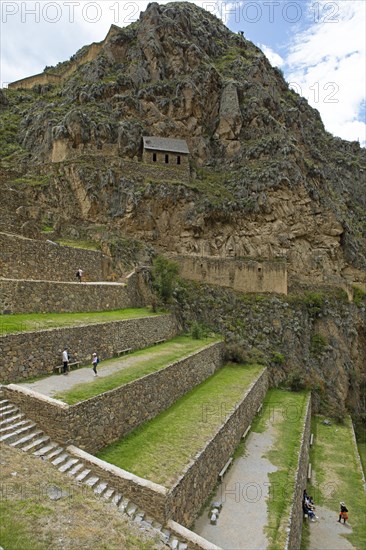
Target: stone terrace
{"points": [[23, 258]]}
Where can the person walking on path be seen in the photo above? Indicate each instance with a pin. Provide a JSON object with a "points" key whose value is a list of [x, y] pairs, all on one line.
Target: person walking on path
{"points": [[343, 513], [95, 361], [79, 274], [65, 360]]}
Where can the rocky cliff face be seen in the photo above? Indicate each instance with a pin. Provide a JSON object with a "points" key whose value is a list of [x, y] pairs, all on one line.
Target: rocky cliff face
{"points": [[266, 179]]}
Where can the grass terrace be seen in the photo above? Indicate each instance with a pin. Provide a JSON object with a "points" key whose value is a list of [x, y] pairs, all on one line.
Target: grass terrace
{"points": [[144, 362], [28, 322], [285, 411], [160, 449], [32, 520], [337, 475]]}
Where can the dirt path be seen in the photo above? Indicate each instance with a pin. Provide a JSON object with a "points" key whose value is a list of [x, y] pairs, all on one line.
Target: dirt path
{"points": [[327, 533], [244, 493]]}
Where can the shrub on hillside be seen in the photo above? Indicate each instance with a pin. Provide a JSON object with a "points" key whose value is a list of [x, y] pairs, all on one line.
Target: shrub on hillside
{"points": [[165, 274]]}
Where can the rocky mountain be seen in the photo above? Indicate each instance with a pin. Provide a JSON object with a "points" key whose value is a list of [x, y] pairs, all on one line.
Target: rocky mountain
{"points": [[266, 179]]}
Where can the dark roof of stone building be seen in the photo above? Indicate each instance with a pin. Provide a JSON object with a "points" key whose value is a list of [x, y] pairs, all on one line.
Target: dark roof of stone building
{"points": [[166, 144]]}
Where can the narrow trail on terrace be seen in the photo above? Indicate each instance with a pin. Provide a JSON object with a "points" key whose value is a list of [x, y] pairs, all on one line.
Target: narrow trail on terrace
{"points": [[244, 493]]}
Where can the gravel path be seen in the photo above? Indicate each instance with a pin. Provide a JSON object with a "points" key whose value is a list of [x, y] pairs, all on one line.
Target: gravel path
{"points": [[244, 493], [57, 383], [326, 533]]}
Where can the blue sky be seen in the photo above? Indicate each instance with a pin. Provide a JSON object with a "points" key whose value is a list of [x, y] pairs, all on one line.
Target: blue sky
{"points": [[319, 44]]}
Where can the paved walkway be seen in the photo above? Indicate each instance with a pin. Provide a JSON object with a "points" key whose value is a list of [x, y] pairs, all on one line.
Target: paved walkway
{"points": [[57, 382], [326, 533], [244, 494]]}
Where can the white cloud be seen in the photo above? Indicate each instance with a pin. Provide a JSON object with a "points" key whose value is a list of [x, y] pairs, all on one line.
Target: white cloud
{"points": [[274, 58], [326, 63]]}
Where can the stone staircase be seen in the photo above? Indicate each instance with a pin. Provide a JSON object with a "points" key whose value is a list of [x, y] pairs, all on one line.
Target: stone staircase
{"points": [[21, 433]]}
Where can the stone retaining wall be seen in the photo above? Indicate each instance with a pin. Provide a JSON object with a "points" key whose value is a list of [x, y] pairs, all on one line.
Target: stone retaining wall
{"points": [[187, 496], [296, 514], [244, 275], [27, 296], [23, 258], [29, 354], [100, 420]]}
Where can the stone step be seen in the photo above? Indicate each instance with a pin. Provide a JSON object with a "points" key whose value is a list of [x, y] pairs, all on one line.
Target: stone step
{"points": [[91, 481], [109, 493], [139, 516], [11, 419], [4, 402], [5, 407], [165, 535], [27, 438], [76, 469], [84, 474], [54, 453], [60, 459], [14, 435], [123, 504], [100, 488], [68, 465], [8, 413], [117, 499], [37, 444], [131, 509], [16, 426], [44, 451], [174, 543]]}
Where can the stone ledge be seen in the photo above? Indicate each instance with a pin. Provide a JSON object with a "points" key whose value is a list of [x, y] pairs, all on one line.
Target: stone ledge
{"points": [[195, 541]]}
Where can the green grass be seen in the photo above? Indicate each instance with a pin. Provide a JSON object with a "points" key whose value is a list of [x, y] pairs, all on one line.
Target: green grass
{"points": [[362, 452], [85, 245], [16, 524], [285, 412], [338, 476], [159, 356], [25, 322], [160, 449]]}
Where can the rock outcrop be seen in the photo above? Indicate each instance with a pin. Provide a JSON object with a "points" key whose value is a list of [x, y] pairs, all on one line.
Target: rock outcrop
{"points": [[266, 178]]}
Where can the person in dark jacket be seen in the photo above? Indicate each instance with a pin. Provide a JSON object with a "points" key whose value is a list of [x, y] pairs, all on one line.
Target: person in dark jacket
{"points": [[343, 514]]}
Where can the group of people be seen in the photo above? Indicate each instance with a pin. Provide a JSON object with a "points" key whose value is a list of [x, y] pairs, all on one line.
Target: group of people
{"points": [[66, 361], [309, 507]]}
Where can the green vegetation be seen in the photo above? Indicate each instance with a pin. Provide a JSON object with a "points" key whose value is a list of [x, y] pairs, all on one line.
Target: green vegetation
{"points": [[359, 296], [165, 274], [26, 322], [314, 302], [338, 475], [317, 344], [85, 245], [285, 411], [362, 451], [161, 448], [17, 520], [151, 360], [32, 181]]}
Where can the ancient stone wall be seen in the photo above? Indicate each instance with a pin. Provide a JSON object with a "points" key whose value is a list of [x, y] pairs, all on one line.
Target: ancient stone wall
{"points": [[29, 354], [38, 79], [238, 274], [177, 161], [27, 296], [197, 482], [90, 53], [23, 258], [296, 514], [100, 420]]}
